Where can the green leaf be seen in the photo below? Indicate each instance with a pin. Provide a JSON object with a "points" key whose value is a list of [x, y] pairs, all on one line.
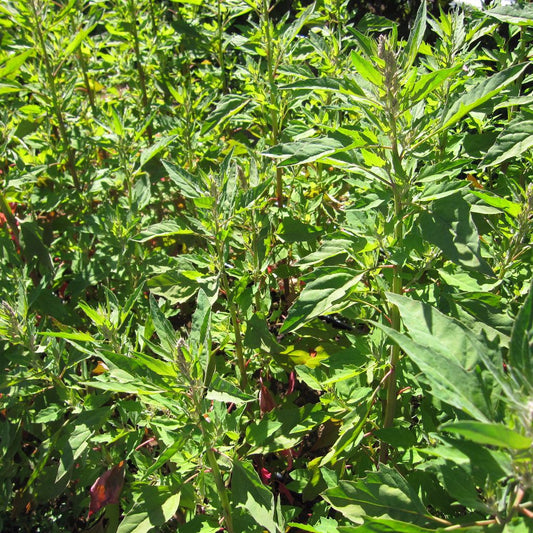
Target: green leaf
{"points": [[366, 69], [479, 94], [333, 247], [521, 346], [511, 208], [324, 525], [222, 390], [427, 83], [166, 333], [149, 153], [457, 482], [416, 37], [320, 297], [446, 353], [154, 507], [309, 150], [346, 87], [14, 62], [450, 227], [381, 494], [187, 183], [69, 335], [162, 229], [227, 106], [490, 434], [511, 143], [77, 40], [386, 525], [522, 15], [249, 494]]}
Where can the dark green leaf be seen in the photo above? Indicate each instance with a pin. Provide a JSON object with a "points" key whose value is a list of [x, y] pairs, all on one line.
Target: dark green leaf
{"points": [[381, 494], [320, 297], [490, 434], [521, 347], [450, 227]]}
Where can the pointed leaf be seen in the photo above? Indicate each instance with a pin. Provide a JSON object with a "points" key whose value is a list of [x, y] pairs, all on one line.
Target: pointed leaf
{"points": [[319, 297], [163, 229], [450, 227], [511, 143], [449, 380], [381, 494], [479, 94], [489, 434], [415, 37], [249, 494], [521, 347]]}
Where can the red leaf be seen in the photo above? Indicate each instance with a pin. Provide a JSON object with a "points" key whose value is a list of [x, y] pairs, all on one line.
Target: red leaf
{"points": [[107, 488], [266, 402], [292, 383]]}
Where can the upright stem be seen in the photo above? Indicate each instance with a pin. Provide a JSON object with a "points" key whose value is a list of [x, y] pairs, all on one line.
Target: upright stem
{"points": [[220, 47], [222, 491], [390, 408], [50, 78], [397, 181], [140, 69], [239, 352], [274, 116], [236, 329], [212, 460]]}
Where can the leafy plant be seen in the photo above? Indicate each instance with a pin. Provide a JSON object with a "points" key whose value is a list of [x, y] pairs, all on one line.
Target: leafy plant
{"points": [[265, 270]]}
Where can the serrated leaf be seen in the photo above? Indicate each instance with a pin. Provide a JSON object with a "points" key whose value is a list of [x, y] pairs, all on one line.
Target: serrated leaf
{"points": [[149, 153], [450, 374], [155, 507], [450, 227], [521, 346], [186, 182], [416, 36]]}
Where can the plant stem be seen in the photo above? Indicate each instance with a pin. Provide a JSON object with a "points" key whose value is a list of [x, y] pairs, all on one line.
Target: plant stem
{"points": [[220, 47], [274, 117], [212, 460], [140, 70], [236, 328], [390, 407], [56, 105], [222, 491], [231, 304]]}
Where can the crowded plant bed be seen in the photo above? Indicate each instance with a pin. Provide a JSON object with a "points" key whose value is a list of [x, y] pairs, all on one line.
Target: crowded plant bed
{"points": [[266, 266]]}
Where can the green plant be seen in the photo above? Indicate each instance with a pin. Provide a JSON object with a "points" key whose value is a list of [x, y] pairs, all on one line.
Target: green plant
{"points": [[290, 289]]}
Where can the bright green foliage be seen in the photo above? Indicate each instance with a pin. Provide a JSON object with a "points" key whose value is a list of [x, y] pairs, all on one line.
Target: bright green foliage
{"points": [[265, 271]]}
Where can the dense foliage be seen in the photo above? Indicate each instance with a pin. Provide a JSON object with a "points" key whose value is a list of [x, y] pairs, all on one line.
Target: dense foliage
{"points": [[265, 271]]}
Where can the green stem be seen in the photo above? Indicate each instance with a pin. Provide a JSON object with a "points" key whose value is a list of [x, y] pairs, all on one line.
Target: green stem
{"points": [[56, 106], [220, 47], [390, 408], [212, 460], [139, 65], [221, 487], [236, 328]]}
